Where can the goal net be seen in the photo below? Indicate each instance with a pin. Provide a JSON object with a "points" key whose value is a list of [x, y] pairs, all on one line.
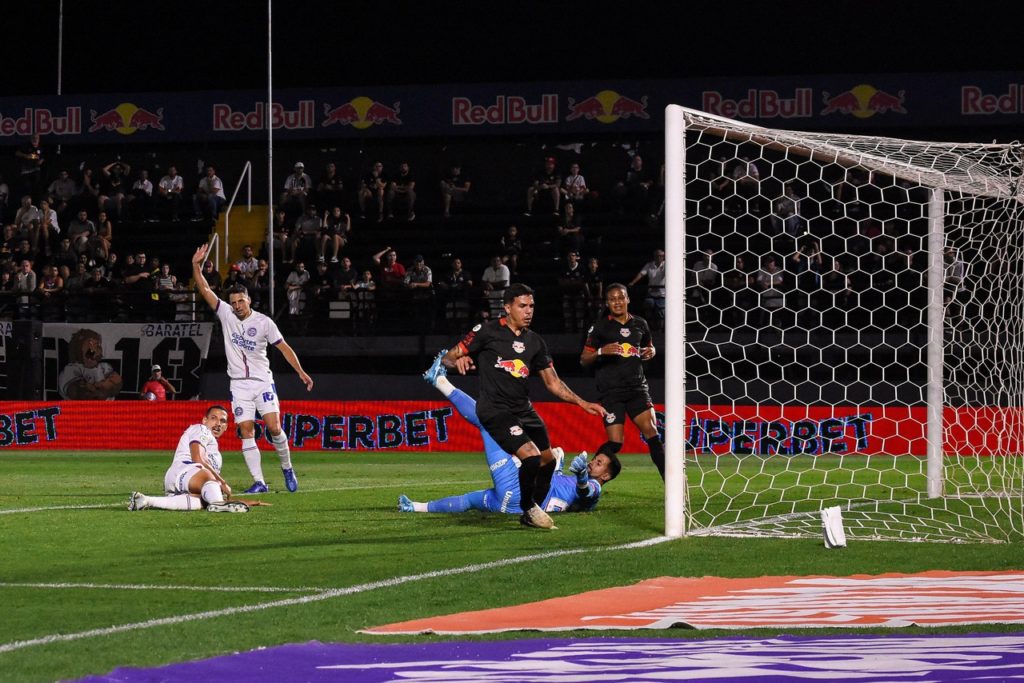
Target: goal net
{"points": [[852, 334]]}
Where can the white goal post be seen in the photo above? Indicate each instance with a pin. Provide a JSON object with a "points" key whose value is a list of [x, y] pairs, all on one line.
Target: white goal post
{"points": [[848, 331]]}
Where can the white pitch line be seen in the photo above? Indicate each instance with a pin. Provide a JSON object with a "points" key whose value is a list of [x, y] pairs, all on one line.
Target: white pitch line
{"points": [[326, 595], [60, 507], [151, 587]]}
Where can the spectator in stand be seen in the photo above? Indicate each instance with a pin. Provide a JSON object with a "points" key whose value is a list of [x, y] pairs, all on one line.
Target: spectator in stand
{"points": [[61, 193], [511, 247], [593, 287], [98, 246], [157, 385], [167, 288], [455, 290], [402, 192], [392, 273], [570, 231], [325, 286], [65, 255], [30, 158], [306, 235], [24, 251], [654, 302], [295, 285], [786, 217], [114, 188], [632, 193], [454, 189], [366, 305], [169, 192], [574, 186], [49, 226], [140, 201], [346, 276], [138, 281], [28, 221], [419, 280], [212, 277], [234, 278], [114, 270], [771, 282], [248, 264], [25, 282], [259, 289], [547, 186], [5, 197], [495, 279], [330, 189], [88, 192], [282, 237], [297, 187], [76, 281], [372, 189], [574, 299], [80, 230], [209, 198], [334, 235], [51, 294]]}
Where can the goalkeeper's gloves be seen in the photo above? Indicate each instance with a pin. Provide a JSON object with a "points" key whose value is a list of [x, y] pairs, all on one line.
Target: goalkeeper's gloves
{"points": [[579, 468]]}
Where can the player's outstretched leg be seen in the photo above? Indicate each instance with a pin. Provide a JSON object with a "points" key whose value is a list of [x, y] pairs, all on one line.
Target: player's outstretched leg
{"points": [[404, 504], [436, 369], [137, 501]]}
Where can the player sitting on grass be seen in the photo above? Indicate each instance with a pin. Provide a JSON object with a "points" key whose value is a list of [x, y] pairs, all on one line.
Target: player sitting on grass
{"points": [[193, 480], [575, 492]]}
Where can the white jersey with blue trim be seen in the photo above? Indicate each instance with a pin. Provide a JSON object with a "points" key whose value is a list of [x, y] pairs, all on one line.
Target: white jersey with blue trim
{"points": [[201, 434], [246, 341]]}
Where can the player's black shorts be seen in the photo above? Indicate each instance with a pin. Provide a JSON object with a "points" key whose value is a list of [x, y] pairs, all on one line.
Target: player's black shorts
{"points": [[511, 430], [621, 404]]}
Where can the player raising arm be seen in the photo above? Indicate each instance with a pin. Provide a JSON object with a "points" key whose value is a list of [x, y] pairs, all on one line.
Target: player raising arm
{"points": [[247, 333], [506, 351]]}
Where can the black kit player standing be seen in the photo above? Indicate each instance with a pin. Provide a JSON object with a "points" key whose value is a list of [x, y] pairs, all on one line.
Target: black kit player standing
{"points": [[619, 343], [506, 352]]}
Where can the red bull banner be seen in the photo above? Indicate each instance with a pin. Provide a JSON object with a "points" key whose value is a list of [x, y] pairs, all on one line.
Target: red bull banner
{"points": [[832, 102], [434, 426]]}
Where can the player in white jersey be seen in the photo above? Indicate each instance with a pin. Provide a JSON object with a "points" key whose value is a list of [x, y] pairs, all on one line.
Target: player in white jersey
{"points": [[247, 333], [193, 481]]}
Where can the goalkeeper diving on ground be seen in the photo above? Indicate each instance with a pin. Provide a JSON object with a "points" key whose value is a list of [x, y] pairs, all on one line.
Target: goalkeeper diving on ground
{"points": [[577, 491]]}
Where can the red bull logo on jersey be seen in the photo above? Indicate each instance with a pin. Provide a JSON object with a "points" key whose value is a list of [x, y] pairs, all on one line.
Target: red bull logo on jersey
{"points": [[607, 106], [515, 367], [361, 113], [225, 118], [126, 118], [42, 122], [974, 100], [863, 101], [506, 109], [629, 350], [760, 104], [518, 346]]}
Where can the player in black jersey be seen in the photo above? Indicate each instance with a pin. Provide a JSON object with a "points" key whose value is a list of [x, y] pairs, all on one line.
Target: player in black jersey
{"points": [[619, 343], [506, 352]]}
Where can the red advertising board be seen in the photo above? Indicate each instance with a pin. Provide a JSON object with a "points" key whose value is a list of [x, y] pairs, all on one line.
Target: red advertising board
{"points": [[435, 426]]}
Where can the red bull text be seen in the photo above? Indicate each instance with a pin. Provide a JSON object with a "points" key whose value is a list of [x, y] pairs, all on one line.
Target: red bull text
{"points": [[511, 110], [760, 104], [227, 119], [974, 100], [42, 122]]}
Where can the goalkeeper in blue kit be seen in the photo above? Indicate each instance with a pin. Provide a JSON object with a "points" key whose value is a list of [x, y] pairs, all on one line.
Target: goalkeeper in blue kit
{"points": [[577, 491]]}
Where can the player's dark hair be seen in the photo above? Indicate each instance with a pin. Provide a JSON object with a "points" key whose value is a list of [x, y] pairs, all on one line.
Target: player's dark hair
{"points": [[614, 465], [238, 289], [515, 291], [616, 285], [213, 408]]}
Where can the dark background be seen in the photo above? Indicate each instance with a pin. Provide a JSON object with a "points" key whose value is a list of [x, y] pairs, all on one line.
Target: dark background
{"points": [[188, 45]]}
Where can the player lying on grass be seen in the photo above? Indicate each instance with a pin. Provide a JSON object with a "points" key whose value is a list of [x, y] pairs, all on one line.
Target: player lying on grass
{"points": [[193, 481], [575, 492]]}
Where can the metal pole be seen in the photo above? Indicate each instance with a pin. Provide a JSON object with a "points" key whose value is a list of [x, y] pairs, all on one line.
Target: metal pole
{"points": [[60, 48], [270, 149], [675, 321], [935, 395]]}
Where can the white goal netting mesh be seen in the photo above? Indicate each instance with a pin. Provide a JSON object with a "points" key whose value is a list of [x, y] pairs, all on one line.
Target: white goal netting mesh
{"points": [[821, 270]]}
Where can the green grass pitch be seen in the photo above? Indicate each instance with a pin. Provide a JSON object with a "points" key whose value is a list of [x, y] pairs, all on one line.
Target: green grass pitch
{"points": [[341, 530]]}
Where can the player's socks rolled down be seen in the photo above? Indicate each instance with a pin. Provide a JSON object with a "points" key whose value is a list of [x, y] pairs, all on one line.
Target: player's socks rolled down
{"points": [[657, 449], [280, 441], [543, 483], [251, 453], [528, 471]]}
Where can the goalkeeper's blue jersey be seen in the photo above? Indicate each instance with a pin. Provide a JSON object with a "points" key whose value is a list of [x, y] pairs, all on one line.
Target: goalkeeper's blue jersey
{"points": [[563, 494]]}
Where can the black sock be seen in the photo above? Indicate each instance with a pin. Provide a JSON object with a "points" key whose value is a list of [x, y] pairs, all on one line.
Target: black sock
{"points": [[657, 454], [527, 476], [543, 483]]}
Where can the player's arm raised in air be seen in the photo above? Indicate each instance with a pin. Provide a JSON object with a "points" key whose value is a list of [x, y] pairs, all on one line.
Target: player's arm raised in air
{"points": [[559, 388], [202, 285], [293, 360], [198, 453]]}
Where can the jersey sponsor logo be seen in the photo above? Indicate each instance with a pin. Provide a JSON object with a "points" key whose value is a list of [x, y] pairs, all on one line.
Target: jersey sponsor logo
{"points": [[243, 343], [505, 500], [498, 464], [514, 367], [630, 350], [609, 418], [624, 332], [515, 430], [518, 346]]}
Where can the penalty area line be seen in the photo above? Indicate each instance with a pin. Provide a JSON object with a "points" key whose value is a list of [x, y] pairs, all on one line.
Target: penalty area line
{"points": [[155, 587], [318, 597]]}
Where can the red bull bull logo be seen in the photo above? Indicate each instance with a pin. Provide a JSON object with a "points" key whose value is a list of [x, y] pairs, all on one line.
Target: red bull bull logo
{"points": [[760, 104], [607, 106], [629, 350], [974, 100], [361, 113], [126, 118], [227, 119], [506, 109], [515, 367], [863, 101], [43, 122]]}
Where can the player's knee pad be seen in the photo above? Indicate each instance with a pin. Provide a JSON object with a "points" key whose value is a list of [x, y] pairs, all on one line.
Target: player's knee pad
{"points": [[610, 448], [212, 493]]}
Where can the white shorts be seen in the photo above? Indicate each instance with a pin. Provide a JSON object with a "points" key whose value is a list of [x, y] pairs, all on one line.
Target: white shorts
{"points": [[250, 396], [178, 475]]}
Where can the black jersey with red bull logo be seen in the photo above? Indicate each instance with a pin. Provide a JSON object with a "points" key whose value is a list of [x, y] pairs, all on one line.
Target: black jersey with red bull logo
{"points": [[625, 371], [505, 361]]}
